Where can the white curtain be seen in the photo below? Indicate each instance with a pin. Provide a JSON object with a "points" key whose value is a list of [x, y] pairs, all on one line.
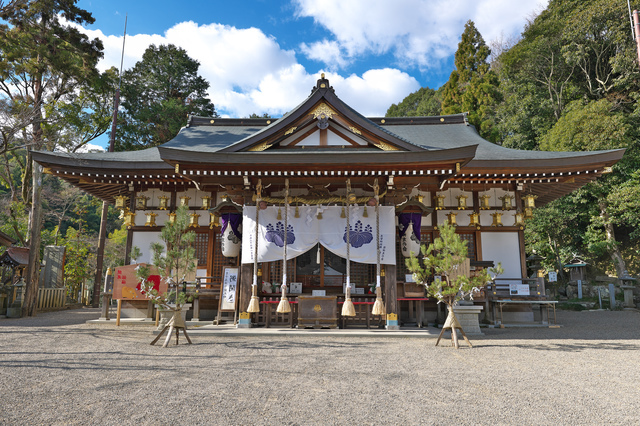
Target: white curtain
{"points": [[307, 230]]}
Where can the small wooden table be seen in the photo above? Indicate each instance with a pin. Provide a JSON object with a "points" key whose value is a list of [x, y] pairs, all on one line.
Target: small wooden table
{"points": [[541, 303], [419, 306]]}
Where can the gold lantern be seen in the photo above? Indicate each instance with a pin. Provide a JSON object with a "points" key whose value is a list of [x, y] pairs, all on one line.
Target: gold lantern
{"points": [[121, 202], [141, 202], [519, 216], [206, 203], [530, 201], [474, 220], [213, 220], [172, 218], [164, 202], [528, 213], [129, 219], [506, 201], [193, 220], [451, 218], [184, 201], [151, 219], [485, 202], [420, 198], [462, 201], [440, 201], [497, 219]]}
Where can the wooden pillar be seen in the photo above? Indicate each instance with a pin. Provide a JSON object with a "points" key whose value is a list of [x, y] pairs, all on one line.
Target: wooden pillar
{"points": [[244, 294], [391, 297]]}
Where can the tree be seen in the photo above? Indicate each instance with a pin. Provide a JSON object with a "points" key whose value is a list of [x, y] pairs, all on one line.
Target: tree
{"points": [[45, 61], [473, 86], [158, 94], [445, 258], [423, 102]]}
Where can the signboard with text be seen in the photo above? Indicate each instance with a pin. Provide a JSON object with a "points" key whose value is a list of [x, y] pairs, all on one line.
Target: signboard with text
{"points": [[126, 285]]}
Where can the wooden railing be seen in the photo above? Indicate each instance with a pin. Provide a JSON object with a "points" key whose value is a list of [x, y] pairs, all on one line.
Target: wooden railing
{"points": [[51, 298]]}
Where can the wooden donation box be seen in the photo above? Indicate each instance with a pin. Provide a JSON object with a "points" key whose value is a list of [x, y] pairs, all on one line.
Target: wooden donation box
{"points": [[317, 311]]}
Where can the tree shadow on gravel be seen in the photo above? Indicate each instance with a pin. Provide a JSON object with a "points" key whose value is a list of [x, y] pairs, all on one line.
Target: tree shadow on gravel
{"points": [[567, 347], [53, 318]]}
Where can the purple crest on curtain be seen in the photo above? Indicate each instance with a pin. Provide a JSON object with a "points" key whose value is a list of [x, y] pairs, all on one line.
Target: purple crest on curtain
{"points": [[235, 219], [405, 218]]}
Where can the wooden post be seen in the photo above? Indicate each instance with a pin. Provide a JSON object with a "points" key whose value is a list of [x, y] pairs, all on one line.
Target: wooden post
{"points": [[244, 293], [391, 297], [118, 311]]}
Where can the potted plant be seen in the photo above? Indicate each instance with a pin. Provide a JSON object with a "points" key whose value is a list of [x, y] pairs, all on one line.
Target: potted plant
{"points": [[172, 261], [443, 269]]}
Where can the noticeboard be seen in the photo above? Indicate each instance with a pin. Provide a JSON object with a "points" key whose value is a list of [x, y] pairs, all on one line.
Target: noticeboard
{"points": [[126, 284], [229, 289]]}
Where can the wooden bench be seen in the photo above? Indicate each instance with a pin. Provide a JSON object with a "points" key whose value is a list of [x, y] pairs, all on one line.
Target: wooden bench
{"points": [[500, 294]]}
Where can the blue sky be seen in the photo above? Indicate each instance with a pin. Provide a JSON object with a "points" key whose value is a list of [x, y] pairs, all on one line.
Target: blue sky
{"points": [[264, 56]]}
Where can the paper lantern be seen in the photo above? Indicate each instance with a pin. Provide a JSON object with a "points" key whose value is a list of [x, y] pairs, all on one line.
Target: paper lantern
{"points": [[409, 242], [151, 219], [141, 202], [121, 202], [440, 201], [462, 201], [497, 219], [506, 201], [484, 202], [229, 243], [164, 202]]}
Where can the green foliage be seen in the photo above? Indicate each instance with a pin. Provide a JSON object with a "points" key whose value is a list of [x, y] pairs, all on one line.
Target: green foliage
{"points": [[588, 126], [77, 266], [115, 248], [175, 262], [472, 86], [421, 103], [443, 258], [158, 94]]}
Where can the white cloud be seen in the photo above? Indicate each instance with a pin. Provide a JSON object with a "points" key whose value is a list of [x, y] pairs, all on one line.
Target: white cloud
{"points": [[418, 32], [250, 73], [326, 51]]}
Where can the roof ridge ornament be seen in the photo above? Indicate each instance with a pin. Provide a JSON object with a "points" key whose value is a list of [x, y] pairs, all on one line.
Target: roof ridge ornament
{"points": [[322, 84]]}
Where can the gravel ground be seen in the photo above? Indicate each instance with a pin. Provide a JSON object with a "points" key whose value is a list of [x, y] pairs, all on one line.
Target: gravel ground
{"points": [[56, 369]]}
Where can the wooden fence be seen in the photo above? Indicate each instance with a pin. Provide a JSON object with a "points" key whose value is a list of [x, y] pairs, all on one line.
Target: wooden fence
{"points": [[51, 298]]}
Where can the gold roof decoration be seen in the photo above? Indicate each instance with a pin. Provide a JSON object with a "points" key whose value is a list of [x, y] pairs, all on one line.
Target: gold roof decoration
{"points": [[386, 147], [260, 147], [323, 109]]}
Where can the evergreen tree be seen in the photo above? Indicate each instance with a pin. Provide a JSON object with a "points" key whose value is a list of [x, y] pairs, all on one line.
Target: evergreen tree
{"points": [[45, 61], [472, 86], [158, 94], [421, 103]]}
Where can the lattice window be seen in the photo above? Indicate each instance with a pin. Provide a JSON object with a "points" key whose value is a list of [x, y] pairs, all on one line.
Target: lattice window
{"points": [[275, 271], [202, 248], [362, 274], [470, 238]]}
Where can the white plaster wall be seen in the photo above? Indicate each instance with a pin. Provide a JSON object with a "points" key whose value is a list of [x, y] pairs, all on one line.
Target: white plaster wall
{"points": [[143, 240], [503, 247]]}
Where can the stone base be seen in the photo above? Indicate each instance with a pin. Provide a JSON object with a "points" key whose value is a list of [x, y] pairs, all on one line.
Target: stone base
{"points": [[468, 317], [14, 312]]}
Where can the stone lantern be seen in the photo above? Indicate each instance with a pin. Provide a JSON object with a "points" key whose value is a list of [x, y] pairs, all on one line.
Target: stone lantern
{"points": [[627, 284]]}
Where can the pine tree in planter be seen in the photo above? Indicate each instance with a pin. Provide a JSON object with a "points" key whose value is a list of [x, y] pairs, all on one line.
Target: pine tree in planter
{"points": [[446, 259], [173, 264]]}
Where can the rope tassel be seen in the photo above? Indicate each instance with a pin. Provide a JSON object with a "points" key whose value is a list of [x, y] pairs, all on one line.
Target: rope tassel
{"points": [[378, 306], [284, 306], [254, 304], [348, 310]]}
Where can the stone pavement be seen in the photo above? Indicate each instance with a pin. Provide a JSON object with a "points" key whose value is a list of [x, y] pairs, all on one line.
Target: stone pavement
{"points": [[57, 369]]}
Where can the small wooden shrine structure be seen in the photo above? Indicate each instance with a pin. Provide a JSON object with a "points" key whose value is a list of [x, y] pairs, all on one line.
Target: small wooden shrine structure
{"points": [[398, 178]]}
